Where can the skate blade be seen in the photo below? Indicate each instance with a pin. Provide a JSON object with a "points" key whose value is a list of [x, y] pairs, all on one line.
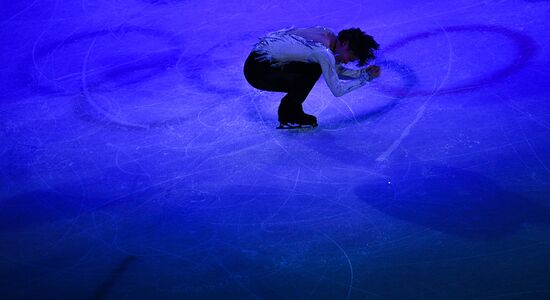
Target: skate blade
{"points": [[295, 126]]}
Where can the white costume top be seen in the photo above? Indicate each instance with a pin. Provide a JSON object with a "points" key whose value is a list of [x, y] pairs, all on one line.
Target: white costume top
{"points": [[281, 47]]}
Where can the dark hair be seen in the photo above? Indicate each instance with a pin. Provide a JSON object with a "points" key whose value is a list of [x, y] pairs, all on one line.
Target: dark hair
{"points": [[360, 43]]}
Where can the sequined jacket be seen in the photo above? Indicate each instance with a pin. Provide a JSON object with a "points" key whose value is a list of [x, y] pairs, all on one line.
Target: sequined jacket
{"points": [[281, 47]]}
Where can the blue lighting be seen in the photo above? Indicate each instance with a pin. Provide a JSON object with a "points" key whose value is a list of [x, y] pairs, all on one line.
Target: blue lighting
{"points": [[137, 162]]}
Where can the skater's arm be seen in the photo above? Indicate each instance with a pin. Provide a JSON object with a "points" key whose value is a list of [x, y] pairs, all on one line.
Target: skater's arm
{"points": [[338, 87], [345, 73]]}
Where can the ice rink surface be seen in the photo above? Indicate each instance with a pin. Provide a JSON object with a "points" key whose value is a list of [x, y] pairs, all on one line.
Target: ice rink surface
{"points": [[137, 163]]}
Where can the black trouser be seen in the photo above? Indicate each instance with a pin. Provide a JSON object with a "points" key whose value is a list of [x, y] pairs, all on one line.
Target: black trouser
{"points": [[295, 78]]}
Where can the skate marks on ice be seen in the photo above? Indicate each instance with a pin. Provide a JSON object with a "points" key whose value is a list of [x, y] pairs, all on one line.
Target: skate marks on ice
{"points": [[219, 68], [215, 71], [96, 75], [442, 198], [64, 202], [456, 57], [113, 81], [450, 82], [12, 10], [483, 54], [450, 200], [57, 70], [165, 2], [260, 207]]}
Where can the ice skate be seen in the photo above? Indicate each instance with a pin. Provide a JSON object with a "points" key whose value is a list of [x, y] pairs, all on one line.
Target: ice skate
{"points": [[302, 120]]}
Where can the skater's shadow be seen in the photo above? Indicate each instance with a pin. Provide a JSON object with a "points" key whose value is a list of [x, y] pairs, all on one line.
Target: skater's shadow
{"points": [[450, 200]]}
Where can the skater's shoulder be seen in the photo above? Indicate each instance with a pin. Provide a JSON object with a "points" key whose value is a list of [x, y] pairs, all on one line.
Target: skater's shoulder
{"points": [[317, 34]]}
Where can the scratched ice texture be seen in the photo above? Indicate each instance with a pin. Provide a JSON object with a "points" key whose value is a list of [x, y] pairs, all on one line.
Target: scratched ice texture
{"points": [[137, 163]]}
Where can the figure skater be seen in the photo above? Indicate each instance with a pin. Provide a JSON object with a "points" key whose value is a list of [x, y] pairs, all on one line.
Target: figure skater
{"points": [[291, 60]]}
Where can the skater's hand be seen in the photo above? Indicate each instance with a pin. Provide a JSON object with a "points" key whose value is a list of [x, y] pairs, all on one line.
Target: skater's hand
{"points": [[374, 71]]}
